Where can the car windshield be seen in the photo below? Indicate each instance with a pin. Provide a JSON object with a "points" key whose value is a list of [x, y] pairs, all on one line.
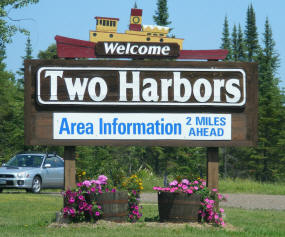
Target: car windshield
{"points": [[26, 161]]}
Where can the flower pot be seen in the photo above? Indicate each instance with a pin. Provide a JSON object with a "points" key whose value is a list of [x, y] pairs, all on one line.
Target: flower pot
{"points": [[114, 205], [178, 207]]}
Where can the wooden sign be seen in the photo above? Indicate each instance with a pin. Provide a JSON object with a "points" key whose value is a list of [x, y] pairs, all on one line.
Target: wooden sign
{"points": [[136, 50], [140, 103]]}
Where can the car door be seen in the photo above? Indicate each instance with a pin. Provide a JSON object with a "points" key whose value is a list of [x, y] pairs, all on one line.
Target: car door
{"points": [[52, 174], [59, 178]]}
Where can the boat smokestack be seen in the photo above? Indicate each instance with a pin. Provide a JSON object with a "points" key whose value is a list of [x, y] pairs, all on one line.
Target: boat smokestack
{"points": [[136, 19]]}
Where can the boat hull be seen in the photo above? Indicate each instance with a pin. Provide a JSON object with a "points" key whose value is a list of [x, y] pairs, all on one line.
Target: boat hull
{"points": [[74, 48]]}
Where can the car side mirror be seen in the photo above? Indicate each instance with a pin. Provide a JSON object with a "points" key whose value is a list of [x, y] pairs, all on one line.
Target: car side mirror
{"points": [[47, 165]]}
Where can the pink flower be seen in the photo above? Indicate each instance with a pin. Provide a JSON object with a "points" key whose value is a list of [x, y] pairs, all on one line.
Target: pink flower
{"points": [[189, 191], [71, 211], [71, 200], [86, 183], [93, 189], [195, 182], [216, 216], [113, 190], [220, 196], [209, 206], [214, 190], [196, 188], [79, 184], [185, 181], [222, 210], [103, 179], [173, 183], [97, 213], [81, 198], [204, 183]]}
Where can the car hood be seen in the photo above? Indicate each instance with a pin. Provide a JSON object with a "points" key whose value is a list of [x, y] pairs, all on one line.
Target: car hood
{"points": [[14, 169]]}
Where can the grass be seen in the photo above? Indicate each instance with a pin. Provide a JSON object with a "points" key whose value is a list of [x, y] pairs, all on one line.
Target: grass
{"points": [[250, 186], [24, 214], [227, 185]]}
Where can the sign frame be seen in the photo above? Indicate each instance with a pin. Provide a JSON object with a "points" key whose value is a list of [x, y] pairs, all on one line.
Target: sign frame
{"points": [[38, 118]]}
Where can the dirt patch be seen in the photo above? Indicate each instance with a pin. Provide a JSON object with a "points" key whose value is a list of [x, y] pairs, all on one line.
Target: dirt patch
{"points": [[109, 224]]}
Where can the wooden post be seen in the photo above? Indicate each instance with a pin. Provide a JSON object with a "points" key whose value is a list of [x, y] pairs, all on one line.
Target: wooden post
{"points": [[69, 167], [212, 167]]}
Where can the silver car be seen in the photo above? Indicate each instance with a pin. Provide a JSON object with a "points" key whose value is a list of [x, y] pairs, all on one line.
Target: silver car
{"points": [[32, 172]]}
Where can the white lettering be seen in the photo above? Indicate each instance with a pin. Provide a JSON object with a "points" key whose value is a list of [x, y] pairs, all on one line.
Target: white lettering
{"points": [[218, 84], [165, 85], [92, 89], [165, 50], [178, 82], [197, 90], [233, 90], [110, 47], [154, 50], [77, 88], [53, 82], [121, 49], [142, 50], [134, 86], [150, 93], [133, 49]]}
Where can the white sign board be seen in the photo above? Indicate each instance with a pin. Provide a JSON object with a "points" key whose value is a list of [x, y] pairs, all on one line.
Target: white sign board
{"points": [[142, 126]]}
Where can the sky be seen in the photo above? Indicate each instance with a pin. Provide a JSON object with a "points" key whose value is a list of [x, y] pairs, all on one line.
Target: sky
{"points": [[199, 23]]}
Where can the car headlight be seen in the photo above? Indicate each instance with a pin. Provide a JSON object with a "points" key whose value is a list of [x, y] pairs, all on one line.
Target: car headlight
{"points": [[22, 175]]}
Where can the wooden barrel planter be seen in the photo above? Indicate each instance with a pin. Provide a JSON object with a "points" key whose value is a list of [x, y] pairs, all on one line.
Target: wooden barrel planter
{"points": [[114, 205], [178, 207]]}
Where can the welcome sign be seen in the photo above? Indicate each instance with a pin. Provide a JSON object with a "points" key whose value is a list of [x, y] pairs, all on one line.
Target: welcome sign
{"points": [[137, 102]]}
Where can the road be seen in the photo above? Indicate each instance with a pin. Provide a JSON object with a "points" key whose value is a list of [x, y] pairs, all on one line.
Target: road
{"points": [[246, 201]]}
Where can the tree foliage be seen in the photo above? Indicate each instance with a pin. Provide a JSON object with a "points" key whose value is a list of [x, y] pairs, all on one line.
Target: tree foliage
{"points": [[161, 16], [263, 161]]}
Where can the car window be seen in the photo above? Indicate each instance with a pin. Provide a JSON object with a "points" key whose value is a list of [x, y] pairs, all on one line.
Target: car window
{"points": [[23, 160], [54, 162], [59, 162]]}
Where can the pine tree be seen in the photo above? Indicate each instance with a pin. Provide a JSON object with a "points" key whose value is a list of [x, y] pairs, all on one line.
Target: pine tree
{"points": [[251, 35], [161, 14], [226, 41], [271, 115], [135, 6], [235, 44], [241, 45], [28, 55]]}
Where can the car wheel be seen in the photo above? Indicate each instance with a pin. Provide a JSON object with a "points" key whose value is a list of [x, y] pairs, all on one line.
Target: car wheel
{"points": [[36, 185], [1, 190]]}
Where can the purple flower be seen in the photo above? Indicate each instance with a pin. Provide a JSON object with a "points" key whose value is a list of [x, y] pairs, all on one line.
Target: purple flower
{"points": [[81, 198], [113, 190], [97, 213]]}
